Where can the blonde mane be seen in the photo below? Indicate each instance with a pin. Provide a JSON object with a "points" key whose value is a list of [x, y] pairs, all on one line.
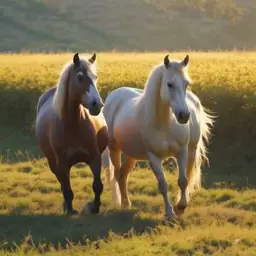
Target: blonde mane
{"points": [[152, 94], [60, 94], [156, 113]]}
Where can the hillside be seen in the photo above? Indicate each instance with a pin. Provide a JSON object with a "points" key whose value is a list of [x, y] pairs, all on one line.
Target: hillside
{"points": [[126, 25], [33, 25]]}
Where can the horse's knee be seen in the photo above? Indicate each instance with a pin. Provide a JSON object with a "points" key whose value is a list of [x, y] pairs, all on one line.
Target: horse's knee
{"points": [[115, 157]]}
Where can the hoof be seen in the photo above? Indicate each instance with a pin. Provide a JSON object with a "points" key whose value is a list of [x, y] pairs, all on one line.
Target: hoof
{"points": [[170, 220], [179, 209], [69, 212], [90, 208], [170, 217], [126, 205], [72, 213]]}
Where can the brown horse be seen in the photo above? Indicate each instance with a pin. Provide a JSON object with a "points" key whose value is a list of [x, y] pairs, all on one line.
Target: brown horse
{"points": [[71, 128]]}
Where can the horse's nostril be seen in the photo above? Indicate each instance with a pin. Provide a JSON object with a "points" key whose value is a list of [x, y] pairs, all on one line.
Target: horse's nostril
{"points": [[181, 115], [94, 104]]}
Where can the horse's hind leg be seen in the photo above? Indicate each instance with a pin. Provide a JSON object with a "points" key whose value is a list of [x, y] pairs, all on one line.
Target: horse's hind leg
{"points": [[111, 179], [115, 157], [122, 180], [62, 173], [193, 178]]}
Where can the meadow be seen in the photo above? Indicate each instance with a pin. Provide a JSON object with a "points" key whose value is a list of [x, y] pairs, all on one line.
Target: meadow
{"points": [[220, 219]]}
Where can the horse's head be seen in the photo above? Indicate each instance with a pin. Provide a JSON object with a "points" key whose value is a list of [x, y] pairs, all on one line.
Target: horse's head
{"points": [[83, 79], [175, 80]]}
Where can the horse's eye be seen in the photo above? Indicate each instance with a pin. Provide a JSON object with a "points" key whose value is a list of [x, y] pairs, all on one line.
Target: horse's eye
{"points": [[170, 85], [80, 77]]}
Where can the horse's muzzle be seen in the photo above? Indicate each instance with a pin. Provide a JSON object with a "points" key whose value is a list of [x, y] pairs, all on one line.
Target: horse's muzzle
{"points": [[183, 117], [95, 109]]}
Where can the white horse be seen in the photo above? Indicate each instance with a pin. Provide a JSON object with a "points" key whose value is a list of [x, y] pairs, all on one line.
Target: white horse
{"points": [[163, 120]]}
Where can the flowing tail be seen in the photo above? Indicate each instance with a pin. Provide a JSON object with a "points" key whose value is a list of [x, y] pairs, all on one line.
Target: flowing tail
{"points": [[110, 178], [194, 174]]}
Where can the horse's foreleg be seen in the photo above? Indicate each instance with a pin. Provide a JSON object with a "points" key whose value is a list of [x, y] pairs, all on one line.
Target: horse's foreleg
{"points": [[122, 181], [67, 192], [156, 165], [97, 185], [62, 173], [182, 181]]}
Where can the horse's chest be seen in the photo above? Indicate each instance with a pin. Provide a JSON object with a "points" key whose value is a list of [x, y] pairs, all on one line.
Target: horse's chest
{"points": [[79, 152], [166, 143], [166, 147], [78, 149]]}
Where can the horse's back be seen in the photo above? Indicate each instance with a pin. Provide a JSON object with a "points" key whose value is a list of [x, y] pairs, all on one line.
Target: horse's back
{"points": [[123, 94], [44, 111], [119, 101], [45, 97]]}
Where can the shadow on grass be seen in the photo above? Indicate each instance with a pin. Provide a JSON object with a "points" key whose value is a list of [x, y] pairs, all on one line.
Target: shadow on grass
{"points": [[58, 230]]}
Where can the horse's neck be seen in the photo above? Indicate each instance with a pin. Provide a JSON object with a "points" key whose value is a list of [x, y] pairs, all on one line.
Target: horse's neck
{"points": [[73, 113], [157, 113]]}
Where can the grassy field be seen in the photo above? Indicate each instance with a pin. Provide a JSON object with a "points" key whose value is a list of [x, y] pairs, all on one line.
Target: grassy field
{"points": [[221, 217]]}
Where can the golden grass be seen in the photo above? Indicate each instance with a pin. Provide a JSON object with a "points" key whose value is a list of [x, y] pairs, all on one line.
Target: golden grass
{"points": [[232, 69], [219, 221], [31, 205]]}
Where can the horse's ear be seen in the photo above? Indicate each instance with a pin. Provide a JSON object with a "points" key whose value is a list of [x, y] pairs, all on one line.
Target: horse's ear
{"points": [[93, 58], [76, 59], [185, 61], [166, 61]]}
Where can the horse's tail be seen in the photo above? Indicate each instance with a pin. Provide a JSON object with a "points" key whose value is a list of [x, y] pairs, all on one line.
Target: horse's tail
{"points": [[110, 178], [206, 123]]}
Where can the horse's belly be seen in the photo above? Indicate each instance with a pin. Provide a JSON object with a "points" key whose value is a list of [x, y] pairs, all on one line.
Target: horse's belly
{"points": [[128, 139]]}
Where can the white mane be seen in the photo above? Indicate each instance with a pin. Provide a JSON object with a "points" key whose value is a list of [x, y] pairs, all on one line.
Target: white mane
{"points": [[59, 96], [157, 112]]}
